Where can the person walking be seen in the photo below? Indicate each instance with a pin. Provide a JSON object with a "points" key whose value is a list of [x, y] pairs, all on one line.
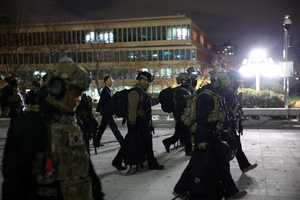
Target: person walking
{"points": [[139, 120], [104, 108]]}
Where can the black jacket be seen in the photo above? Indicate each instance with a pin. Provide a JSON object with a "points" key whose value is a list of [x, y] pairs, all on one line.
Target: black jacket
{"points": [[6, 92], [104, 102], [181, 102]]}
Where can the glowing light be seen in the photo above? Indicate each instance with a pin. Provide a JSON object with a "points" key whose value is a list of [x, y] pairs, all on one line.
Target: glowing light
{"points": [[258, 55]]}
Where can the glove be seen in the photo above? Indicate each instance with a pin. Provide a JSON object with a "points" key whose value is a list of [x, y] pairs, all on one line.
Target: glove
{"points": [[202, 146]]}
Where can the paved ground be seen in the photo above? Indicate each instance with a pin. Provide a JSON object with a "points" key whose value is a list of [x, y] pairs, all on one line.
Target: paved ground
{"points": [[276, 151]]}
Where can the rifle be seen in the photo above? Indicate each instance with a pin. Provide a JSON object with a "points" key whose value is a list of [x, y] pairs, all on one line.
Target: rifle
{"points": [[93, 132], [240, 113]]}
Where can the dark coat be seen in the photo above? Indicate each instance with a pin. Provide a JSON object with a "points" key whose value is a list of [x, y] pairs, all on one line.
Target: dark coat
{"points": [[104, 102]]}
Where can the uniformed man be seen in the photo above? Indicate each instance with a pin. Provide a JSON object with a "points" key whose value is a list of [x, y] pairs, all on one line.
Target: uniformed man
{"points": [[210, 118], [45, 156], [140, 120], [32, 97], [180, 103], [11, 97]]}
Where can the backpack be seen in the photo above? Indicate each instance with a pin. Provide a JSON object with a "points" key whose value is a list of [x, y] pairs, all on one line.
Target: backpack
{"points": [[204, 177], [119, 102], [166, 97], [134, 152]]}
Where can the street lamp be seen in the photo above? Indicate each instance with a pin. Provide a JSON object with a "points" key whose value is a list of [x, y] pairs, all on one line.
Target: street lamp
{"points": [[287, 25], [257, 55]]}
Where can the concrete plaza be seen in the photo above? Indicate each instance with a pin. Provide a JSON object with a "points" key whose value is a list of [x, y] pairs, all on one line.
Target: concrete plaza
{"points": [[276, 151]]}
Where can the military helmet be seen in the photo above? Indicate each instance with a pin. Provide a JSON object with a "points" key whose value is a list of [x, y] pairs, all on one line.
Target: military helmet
{"points": [[182, 76], [234, 75], [145, 75], [70, 73], [10, 76], [221, 79]]}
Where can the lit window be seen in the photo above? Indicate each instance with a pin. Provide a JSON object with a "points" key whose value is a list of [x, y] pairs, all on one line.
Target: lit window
{"points": [[184, 32], [179, 32]]}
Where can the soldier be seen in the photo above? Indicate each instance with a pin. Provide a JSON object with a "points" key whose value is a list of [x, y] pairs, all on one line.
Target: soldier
{"points": [[180, 103], [234, 109], [11, 97], [32, 97], [210, 119], [216, 66], [140, 120], [43, 93], [45, 156]]}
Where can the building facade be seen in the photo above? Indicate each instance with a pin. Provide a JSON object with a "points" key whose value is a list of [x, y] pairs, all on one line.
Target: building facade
{"points": [[165, 46]]}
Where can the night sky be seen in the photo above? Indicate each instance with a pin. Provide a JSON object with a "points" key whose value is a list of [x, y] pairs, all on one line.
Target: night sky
{"points": [[247, 23]]}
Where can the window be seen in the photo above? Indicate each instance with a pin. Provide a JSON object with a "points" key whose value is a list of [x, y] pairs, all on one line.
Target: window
{"points": [[106, 36], [122, 56], [38, 38], [188, 54], [124, 35], [126, 74], [21, 58], [129, 34], [21, 39], [160, 56], [105, 56], [193, 54], [74, 56], [42, 58], [149, 55], [134, 34], [182, 54], [29, 39], [56, 38], [169, 32], [84, 57], [139, 34], [69, 54], [169, 72], [31, 58], [26, 39], [177, 54], [69, 37], [106, 72], [52, 57], [79, 57], [90, 57], [65, 37], [113, 73], [173, 32], [15, 60], [51, 38], [115, 35], [163, 72], [132, 74], [127, 56], [47, 56], [74, 37], [111, 56], [34, 38], [153, 33], [158, 33], [144, 54], [101, 74], [166, 55], [144, 34], [61, 37], [132, 55], [120, 35], [116, 56], [164, 32], [154, 55], [148, 33], [120, 73], [111, 36], [188, 32], [36, 58], [171, 52], [184, 32], [179, 32]]}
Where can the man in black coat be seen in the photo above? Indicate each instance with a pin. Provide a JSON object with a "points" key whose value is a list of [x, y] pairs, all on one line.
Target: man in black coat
{"points": [[105, 109]]}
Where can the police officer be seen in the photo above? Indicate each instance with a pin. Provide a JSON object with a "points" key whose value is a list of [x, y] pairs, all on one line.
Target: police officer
{"points": [[45, 156], [210, 118], [32, 97], [232, 100], [140, 119], [180, 103], [11, 96]]}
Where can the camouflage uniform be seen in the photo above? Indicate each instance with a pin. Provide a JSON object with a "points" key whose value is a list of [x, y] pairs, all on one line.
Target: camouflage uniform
{"points": [[45, 156]]}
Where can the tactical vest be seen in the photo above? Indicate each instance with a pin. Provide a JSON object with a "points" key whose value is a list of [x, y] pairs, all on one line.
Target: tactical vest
{"points": [[67, 151], [189, 93], [216, 115], [16, 96], [144, 107]]}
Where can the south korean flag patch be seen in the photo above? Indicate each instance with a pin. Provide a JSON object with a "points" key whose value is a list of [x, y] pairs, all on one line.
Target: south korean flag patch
{"points": [[75, 138]]}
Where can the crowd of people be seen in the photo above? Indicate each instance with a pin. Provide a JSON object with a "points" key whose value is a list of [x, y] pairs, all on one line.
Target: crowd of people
{"points": [[46, 155]]}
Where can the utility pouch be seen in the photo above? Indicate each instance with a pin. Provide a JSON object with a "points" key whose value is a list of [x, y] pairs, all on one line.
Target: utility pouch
{"points": [[80, 189]]}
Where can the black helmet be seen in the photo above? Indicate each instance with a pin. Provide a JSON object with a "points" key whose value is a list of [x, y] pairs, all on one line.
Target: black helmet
{"points": [[145, 75]]}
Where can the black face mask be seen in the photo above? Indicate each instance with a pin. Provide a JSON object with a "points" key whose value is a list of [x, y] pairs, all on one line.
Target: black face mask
{"points": [[14, 82]]}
